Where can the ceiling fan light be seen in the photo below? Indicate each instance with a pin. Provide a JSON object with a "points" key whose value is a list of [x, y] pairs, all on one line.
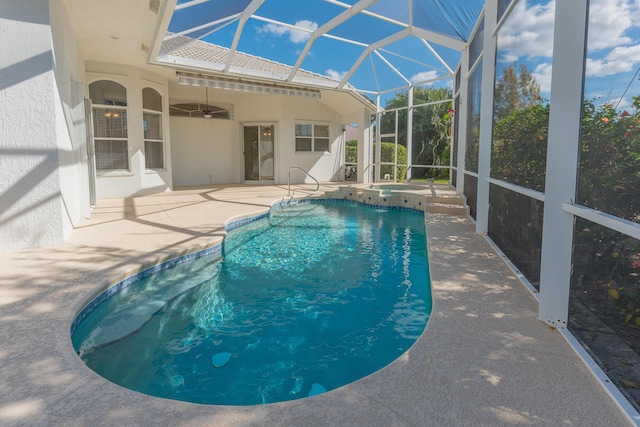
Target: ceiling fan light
{"points": [[207, 115]]}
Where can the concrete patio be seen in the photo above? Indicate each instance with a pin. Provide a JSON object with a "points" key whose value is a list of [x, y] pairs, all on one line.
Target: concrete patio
{"points": [[483, 360]]}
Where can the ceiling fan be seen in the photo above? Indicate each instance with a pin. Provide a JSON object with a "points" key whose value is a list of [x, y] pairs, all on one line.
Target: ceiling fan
{"points": [[200, 110]]}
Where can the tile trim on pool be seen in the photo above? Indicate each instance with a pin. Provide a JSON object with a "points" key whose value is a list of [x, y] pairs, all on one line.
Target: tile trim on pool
{"points": [[347, 201]]}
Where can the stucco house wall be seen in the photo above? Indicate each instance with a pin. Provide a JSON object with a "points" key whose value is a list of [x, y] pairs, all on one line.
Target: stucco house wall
{"points": [[209, 151], [324, 166], [42, 187], [46, 176]]}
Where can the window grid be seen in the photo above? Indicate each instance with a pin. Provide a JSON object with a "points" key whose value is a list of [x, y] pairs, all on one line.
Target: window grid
{"points": [[152, 127], [312, 137], [110, 134], [153, 140]]}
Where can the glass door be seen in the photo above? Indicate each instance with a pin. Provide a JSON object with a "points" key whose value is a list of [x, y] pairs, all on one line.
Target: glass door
{"points": [[258, 146]]}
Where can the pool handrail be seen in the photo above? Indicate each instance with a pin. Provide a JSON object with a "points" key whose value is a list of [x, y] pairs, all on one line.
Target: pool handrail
{"points": [[306, 173]]}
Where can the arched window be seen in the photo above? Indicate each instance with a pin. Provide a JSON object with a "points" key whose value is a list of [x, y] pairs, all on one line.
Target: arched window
{"points": [[109, 102], [152, 122]]}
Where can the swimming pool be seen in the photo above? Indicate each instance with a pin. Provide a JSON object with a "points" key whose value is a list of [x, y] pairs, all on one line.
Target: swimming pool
{"points": [[308, 299]]}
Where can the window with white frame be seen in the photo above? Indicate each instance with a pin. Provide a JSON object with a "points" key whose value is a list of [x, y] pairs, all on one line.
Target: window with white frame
{"points": [[312, 137], [109, 104], [152, 124]]}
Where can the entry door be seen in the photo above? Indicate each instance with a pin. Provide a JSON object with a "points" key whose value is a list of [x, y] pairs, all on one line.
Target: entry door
{"points": [[259, 152]]}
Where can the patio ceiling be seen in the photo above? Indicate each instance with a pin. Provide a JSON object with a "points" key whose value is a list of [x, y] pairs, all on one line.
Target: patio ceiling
{"points": [[376, 46]]}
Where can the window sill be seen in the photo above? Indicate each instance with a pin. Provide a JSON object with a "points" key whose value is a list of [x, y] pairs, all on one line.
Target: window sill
{"points": [[113, 174], [154, 171]]}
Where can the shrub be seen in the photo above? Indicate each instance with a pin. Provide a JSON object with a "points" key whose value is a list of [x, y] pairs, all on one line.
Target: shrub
{"points": [[387, 154]]}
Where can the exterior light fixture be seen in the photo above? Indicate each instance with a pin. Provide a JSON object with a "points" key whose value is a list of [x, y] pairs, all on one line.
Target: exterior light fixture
{"points": [[246, 86]]}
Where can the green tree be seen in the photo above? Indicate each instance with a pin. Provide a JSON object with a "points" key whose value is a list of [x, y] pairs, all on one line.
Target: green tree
{"points": [[521, 122], [386, 156], [609, 178], [519, 152], [431, 125], [351, 152], [515, 91]]}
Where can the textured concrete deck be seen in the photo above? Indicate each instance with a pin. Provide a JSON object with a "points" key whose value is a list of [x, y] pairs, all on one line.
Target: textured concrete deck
{"points": [[483, 360]]}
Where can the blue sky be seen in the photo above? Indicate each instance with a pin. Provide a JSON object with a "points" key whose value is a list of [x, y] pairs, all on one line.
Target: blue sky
{"points": [[335, 58], [613, 48], [526, 37]]}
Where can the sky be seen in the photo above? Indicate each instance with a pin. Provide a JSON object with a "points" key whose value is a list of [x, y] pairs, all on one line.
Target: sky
{"points": [[335, 58], [526, 38], [613, 47]]}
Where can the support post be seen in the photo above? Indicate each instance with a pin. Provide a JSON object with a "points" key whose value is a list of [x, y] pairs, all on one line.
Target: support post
{"points": [[462, 121], [563, 148], [486, 115]]}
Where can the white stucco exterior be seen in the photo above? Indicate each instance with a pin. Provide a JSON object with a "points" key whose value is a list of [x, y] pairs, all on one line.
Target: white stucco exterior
{"points": [[209, 151], [43, 175], [47, 173]]}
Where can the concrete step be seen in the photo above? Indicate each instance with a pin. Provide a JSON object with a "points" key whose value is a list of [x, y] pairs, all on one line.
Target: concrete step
{"points": [[446, 208], [446, 200]]}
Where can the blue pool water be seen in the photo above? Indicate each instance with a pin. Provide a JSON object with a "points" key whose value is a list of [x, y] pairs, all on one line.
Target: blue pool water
{"points": [[307, 300]]}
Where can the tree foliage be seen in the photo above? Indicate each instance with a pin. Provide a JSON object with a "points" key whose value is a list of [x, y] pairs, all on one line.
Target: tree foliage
{"points": [[351, 151], [387, 155], [431, 125], [519, 152], [609, 177], [515, 91]]}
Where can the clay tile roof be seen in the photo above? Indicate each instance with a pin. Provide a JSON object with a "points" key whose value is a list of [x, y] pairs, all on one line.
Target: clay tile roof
{"points": [[215, 57]]}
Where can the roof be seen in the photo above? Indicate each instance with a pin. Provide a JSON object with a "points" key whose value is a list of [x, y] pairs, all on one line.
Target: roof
{"points": [[206, 56]]}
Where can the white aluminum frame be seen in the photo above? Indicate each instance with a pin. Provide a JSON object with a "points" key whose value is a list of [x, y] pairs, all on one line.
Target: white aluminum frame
{"points": [[563, 148]]}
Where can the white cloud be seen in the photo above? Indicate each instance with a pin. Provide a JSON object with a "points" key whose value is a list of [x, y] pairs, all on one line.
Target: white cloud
{"points": [[273, 29], [609, 20], [528, 32], [424, 76], [542, 74], [338, 75], [622, 59], [296, 36]]}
